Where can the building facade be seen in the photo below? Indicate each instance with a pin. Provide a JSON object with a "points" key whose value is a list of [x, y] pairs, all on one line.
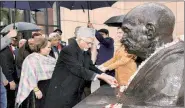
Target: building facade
{"points": [[73, 18], [60, 17]]}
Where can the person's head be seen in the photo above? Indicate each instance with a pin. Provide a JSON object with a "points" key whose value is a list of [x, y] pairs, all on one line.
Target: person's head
{"points": [[58, 31], [53, 38], [42, 46], [22, 42], [14, 41], [119, 34], [104, 32], [37, 35], [85, 38], [76, 29], [31, 44], [147, 27], [59, 37]]}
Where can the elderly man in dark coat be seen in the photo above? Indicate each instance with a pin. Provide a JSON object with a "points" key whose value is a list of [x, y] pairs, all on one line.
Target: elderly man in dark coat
{"points": [[73, 67], [158, 81]]}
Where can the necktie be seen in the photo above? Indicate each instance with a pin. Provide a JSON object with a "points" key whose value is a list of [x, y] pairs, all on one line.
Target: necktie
{"points": [[11, 49]]}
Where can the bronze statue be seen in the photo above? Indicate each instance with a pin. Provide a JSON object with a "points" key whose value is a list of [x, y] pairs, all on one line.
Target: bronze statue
{"points": [[148, 32]]}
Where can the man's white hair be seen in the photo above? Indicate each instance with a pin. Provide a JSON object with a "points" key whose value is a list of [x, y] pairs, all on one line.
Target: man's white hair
{"points": [[85, 32]]}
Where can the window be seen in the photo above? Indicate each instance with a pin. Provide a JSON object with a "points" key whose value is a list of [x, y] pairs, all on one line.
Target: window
{"points": [[4, 15], [46, 18]]}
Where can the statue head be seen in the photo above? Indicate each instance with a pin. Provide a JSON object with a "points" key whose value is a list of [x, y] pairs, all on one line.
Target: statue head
{"points": [[147, 27]]}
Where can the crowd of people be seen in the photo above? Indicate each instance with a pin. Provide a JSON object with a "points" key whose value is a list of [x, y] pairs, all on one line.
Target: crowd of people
{"points": [[41, 71]]}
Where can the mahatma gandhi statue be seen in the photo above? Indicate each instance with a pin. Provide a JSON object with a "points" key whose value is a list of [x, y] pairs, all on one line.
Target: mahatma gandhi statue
{"points": [[148, 30]]}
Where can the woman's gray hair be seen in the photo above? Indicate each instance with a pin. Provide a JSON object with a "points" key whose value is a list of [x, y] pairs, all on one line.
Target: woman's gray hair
{"points": [[53, 36]]}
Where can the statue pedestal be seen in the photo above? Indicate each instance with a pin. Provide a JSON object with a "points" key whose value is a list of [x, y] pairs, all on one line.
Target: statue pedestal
{"points": [[106, 95], [101, 97]]}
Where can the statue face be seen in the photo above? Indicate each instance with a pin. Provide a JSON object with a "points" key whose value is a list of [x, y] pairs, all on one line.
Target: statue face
{"points": [[135, 38], [147, 27]]}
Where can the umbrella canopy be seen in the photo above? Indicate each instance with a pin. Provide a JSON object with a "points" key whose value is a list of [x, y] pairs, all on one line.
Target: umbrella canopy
{"points": [[90, 5], [115, 21], [26, 5], [21, 26]]}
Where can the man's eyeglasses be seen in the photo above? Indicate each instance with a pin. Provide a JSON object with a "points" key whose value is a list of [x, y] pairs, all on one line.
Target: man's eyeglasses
{"points": [[89, 43]]}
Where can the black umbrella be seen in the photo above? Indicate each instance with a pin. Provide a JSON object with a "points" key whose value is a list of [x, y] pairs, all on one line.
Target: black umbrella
{"points": [[115, 21], [26, 5], [21, 26], [89, 5]]}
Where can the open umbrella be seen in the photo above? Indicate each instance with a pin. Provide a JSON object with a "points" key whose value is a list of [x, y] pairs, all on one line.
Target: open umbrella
{"points": [[21, 26], [89, 5], [26, 5], [115, 21]]}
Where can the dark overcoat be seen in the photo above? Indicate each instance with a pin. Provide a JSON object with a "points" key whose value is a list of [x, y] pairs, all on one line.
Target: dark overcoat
{"points": [[73, 68]]}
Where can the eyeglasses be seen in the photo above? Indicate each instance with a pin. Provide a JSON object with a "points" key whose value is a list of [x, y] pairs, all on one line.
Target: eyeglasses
{"points": [[89, 43]]}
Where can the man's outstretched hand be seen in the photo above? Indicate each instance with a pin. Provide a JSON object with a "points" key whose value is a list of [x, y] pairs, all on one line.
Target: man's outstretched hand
{"points": [[109, 79]]}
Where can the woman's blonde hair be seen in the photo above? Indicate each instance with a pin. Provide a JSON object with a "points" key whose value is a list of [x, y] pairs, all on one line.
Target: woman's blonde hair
{"points": [[40, 43]]}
